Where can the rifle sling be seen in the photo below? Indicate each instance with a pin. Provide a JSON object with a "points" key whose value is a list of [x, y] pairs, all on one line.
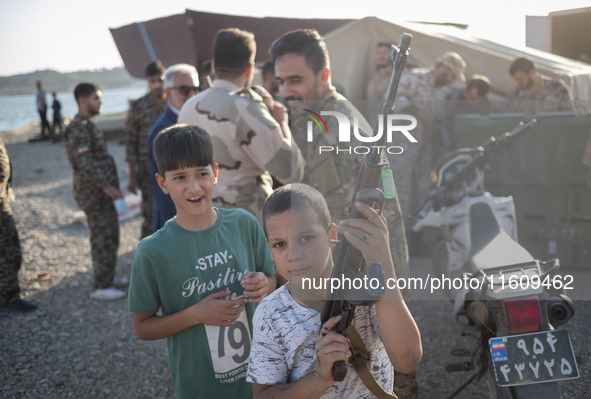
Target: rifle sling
{"points": [[359, 350]]}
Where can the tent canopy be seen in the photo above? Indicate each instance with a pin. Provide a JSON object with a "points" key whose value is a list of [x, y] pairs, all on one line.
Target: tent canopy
{"points": [[189, 37]]}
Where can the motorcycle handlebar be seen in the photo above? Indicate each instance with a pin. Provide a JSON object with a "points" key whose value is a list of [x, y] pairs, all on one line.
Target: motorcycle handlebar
{"points": [[485, 151], [427, 206], [507, 138]]}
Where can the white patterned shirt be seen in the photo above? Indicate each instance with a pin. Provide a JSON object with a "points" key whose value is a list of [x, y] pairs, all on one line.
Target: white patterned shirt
{"points": [[284, 339]]}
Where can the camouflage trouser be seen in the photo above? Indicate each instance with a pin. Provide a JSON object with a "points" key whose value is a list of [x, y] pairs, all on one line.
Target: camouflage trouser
{"points": [[10, 259], [405, 385], [145, 184], [398, 246], [104, 236]]}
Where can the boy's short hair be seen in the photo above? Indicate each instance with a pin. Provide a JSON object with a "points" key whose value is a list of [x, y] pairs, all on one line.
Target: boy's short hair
{"points": [[296, 196], [306, 42], [83, 90], [234, 50], [182, 146]]}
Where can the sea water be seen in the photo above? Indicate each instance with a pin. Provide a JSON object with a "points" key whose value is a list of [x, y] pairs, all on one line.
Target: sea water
{"points": [[20, 110]]}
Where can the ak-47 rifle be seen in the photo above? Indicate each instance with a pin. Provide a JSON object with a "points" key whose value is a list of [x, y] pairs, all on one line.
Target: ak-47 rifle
{"points": [[349, 263]]}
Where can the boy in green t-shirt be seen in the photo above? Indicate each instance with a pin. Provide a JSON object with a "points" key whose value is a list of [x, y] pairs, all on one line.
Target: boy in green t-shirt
{"points": [[206, 269]]}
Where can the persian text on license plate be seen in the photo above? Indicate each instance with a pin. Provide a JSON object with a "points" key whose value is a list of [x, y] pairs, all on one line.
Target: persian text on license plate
{"points": [[533, 358]]}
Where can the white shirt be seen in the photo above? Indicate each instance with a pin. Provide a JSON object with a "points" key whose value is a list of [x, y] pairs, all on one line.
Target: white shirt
{"points": [[284, 338]]}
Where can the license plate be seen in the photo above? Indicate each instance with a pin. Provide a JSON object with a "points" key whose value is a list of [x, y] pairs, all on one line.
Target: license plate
{"points": [[533, 358]]}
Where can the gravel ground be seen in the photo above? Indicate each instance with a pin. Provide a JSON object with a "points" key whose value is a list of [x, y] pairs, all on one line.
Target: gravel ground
{"points": [[74, 347]]}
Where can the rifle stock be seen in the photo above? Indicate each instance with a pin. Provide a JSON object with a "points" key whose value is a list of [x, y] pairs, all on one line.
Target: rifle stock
{"points": [[349, 261]]}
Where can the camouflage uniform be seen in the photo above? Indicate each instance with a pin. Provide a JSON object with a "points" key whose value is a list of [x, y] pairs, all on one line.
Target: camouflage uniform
{"points": [[412, 167], [377, 88], [335, 176], [142, 115], [248, 145], [95, 169], [553, 95], [10, 247], [378, 85]]}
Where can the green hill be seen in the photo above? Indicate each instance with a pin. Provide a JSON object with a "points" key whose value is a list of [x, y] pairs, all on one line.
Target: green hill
{"points": [[53, 80]]}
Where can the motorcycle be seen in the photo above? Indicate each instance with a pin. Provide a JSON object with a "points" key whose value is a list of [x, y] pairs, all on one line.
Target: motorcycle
{"points": [[512, 301]]}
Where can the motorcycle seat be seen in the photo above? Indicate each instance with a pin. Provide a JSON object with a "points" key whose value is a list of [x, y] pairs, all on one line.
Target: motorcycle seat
{"points": [[491, 246]]}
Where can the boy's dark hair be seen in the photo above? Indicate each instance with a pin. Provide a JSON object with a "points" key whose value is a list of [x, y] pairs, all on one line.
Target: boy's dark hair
{"points": [[85, 90], [182, 146], [306, 42], [233, 51], [384, 44], [521, 64], [296, 196], [481, 82], [155, 68]]}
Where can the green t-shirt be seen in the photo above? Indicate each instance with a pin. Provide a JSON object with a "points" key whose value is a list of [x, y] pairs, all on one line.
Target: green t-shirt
{"points": [[176, 268]]}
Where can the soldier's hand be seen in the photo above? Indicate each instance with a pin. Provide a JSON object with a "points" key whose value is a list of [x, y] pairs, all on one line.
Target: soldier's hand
{"points": [[132, 185], [267, 97], [279, 112], [112, 192]]}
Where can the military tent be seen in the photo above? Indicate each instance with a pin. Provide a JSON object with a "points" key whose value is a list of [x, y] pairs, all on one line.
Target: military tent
{"points": [[352, 47]]}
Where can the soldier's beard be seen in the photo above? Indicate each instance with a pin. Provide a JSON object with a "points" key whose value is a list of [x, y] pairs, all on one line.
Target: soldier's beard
{"points": [[295, 105]]}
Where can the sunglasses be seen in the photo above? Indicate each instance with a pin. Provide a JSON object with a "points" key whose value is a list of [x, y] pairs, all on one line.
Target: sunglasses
{"points": [[186, 90]]}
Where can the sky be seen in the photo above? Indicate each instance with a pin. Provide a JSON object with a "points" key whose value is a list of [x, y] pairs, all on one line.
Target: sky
{"points": [[70, 35]]}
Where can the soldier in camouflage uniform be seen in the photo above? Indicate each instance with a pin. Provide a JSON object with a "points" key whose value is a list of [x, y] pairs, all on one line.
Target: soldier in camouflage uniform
{"points": [[377, 86], [302, 68], [535, 92], [10, 246], [96, 186], [251, 137], [422, 94], [142, 115]]}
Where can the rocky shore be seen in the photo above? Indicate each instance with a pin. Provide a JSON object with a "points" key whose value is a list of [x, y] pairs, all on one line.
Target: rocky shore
{"points": [[75, 347]]}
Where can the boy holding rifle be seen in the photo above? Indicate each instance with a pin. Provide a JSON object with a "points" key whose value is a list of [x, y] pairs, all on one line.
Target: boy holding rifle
{"points": [[289, 357]]}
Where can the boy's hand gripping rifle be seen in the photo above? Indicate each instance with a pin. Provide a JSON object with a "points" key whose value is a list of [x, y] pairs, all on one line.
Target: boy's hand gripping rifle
{"points": [[349, 263]]}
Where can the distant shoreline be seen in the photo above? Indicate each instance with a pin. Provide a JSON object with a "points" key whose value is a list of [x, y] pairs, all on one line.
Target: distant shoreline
{"points": [[107, 123]]}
